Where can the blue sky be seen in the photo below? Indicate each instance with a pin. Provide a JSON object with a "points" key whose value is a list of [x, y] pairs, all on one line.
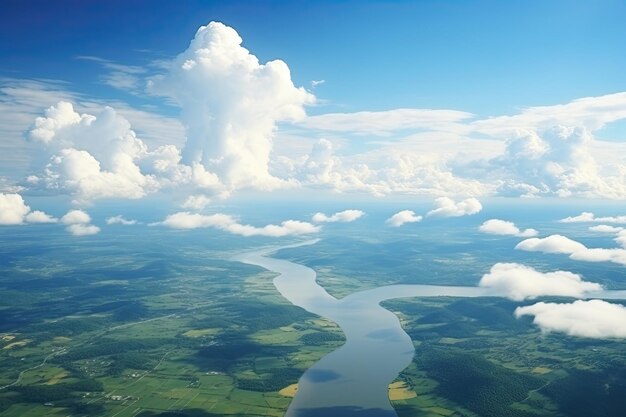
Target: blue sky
{"points": [[485, 57], [201, 102]]}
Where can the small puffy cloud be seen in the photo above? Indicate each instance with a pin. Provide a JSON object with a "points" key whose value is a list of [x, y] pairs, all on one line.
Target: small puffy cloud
{"points": [[603, 228], [38, 216], [595, 319], [341, 216], [83, 229], [78, 223], [502, 227], [447, 207], [551, 244], [402, 217], [119, 219], [14, 211], [186, 220], [76, 217], [575, 250], [519, 282], [196, 202], [588, 217]]}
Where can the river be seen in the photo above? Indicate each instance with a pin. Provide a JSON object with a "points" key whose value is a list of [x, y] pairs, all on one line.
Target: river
{"points": [[353, 380]]}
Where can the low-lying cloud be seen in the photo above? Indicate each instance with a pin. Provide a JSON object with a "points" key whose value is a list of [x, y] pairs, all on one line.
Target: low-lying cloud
{"points": [[588, 217], [345, 216], [119, 219], [447, 207], [595, 319], [228, 223], [402, 217], [78, 223], [575, 250], [506, 228], [14, 211], [519, 282]]}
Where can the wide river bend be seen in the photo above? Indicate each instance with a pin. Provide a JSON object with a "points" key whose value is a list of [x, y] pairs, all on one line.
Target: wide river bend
{"points": [[353, 380]]}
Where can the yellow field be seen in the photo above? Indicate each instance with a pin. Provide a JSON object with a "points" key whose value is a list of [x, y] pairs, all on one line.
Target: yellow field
{"points": [[200, 332], [399, 391], [17, 344], [289, 391], [56, 378]]}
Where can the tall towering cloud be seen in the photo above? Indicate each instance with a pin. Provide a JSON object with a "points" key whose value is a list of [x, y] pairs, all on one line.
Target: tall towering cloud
{"points": [[230, 105]]}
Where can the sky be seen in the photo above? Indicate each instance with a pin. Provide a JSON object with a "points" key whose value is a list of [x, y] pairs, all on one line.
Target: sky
{"points": [[170, 114], [204, 101]]}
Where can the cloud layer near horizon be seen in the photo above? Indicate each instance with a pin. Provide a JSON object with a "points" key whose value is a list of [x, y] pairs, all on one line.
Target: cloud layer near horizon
{"points": [[227, 223], [234, 110]]}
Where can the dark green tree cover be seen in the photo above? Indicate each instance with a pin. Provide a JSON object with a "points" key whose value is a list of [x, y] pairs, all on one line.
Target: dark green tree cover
{"points": [[275, 380], [107, 347], [590, 394], [476, 383], [319, 338]]}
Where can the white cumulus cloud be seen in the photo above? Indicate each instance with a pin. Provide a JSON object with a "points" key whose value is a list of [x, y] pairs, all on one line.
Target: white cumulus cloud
{"points": [[603, 228], [503, 227], [93, 156], [519, 282], [186, 220], [119, 219], [196, 202], [402, 217], [341, 216], [588, 217], [78, 223], [230, 105], [575, 250], [595, 319], [447, 207], [551, 244], [14, 211]]}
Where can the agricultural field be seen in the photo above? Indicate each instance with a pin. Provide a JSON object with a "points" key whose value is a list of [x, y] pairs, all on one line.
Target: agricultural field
{"points": [[201, 337]]}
